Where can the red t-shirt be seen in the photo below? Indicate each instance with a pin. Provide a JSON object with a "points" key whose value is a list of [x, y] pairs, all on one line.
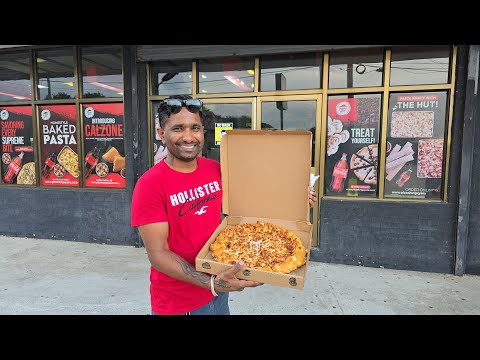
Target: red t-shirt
{"points": [[191, 203]]}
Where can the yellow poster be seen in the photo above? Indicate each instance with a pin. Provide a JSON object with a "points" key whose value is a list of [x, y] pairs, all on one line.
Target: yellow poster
{"points": [[220, 130]]}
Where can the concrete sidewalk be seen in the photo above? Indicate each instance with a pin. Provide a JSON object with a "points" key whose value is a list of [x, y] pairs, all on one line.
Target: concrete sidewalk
{"points": [[40, 276]]}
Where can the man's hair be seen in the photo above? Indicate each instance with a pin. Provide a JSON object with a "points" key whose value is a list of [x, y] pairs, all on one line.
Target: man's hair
{"points": [[164, 112]]}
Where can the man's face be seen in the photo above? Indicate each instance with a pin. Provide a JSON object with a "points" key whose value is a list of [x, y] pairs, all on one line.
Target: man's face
{"points": [[183, 135]]}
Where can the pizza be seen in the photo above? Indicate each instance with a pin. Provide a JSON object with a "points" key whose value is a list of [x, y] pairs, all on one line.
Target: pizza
{"points": [[26, 176], [364, 164], [262, 245]]}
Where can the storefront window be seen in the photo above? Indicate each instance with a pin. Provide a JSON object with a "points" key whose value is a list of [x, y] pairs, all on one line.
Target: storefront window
{"points": [[226, 75], [290, 115], [420, 65], [355, 68], [59, 145], [416, 132], [55, 69], [18, 155], [291, 71], [217, 119], [15, 82], [102, 72], [351, 166], [104, 145], [172, 78]]}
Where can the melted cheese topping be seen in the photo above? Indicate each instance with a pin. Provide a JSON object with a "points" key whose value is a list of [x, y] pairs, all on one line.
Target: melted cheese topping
{"points": [[262, 246]]}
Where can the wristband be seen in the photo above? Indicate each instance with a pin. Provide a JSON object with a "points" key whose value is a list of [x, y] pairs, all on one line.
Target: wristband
{"points": [[212, 285]]}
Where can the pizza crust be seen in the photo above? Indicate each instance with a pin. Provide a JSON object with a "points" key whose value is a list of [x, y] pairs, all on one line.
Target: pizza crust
{"points": [[263, 246]]}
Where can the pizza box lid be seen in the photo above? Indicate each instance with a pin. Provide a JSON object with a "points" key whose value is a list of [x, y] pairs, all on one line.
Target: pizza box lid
{"points": [[266, 173]]}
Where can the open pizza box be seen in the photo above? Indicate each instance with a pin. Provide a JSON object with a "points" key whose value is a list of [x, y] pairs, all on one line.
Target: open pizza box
{"points": [[265, 177]]}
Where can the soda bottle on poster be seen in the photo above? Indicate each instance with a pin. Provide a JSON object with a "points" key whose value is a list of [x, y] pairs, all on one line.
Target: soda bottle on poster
{"points": [[13, 168], [48, 165], [403, 178], [339, 175], [91, 160]]}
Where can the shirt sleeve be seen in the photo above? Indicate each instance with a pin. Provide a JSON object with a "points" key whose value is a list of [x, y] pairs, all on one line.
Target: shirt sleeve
{"points": [[148, 204]]}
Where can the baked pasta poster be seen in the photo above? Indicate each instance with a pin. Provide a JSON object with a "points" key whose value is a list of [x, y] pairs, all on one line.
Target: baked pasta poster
{"points": [[104, 148], [59, 145], [18, 160], [415, 145], [352, 146]]}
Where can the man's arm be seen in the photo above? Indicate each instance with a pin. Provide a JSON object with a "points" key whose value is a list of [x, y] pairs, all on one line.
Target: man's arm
{"points": [[155, 237], [312, 197]]}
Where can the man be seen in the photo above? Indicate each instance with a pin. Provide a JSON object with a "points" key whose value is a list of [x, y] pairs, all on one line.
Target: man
{"points": [[177, 206]]}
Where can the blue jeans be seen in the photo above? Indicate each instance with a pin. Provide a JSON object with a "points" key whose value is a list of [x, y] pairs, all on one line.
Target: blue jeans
{"points": [[218, 306]]}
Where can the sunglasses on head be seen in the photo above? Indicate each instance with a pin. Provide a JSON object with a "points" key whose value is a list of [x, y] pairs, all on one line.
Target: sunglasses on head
{"points": [[175, 105]]}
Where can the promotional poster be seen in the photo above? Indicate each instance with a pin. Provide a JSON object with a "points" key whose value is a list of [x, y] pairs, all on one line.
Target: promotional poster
{"points": [[104, 145], [416, 128], [18, 158], [58, 145], [352, 146]]}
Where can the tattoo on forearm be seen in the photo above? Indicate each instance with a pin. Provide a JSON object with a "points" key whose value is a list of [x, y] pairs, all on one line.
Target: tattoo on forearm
{"points": [[190, 271]]}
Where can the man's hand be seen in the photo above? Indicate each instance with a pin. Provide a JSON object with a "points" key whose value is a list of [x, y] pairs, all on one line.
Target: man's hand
{"points": [[312, 197], [227, 281]]}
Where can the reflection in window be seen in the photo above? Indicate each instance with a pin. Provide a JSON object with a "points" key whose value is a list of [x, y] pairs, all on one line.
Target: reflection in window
{"points": [[291, 71], [15, 77], [420, 65], [171, 78], [355, 68], [219, 116], [290, 115], [225, 75], [102, 72], [55, 74]]}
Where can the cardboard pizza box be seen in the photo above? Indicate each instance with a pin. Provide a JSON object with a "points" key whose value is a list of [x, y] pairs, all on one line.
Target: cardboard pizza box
{"points": [[265, 177]]}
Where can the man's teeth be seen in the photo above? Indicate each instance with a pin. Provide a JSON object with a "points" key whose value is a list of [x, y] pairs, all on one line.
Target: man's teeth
{"points": [[188, 146]]}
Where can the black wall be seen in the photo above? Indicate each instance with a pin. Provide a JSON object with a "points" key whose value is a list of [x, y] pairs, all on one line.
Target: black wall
{"points": [[406, 236], [473, 245], [473, 229], [87, 216]]}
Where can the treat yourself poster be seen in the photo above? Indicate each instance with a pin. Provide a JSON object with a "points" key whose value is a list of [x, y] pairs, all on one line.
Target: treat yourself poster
{"points": [[353, 129]]}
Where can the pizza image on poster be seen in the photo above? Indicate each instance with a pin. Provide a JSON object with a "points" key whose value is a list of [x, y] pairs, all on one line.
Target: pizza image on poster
{"points": [[415, 148], [104, 145]]}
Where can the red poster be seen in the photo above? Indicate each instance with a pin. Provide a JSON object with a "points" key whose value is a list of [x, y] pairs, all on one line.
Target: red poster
{"points": [[344, 110], [103, 130], [18, 160], [58, 145]]}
